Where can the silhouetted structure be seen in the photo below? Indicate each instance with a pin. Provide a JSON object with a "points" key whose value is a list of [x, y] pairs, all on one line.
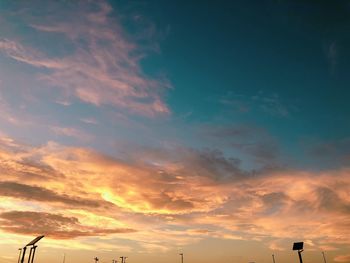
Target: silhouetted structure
{"points": [[324, 257], [32, 246], [19, 256], [273, 258], [96, 259], [299, 246]]}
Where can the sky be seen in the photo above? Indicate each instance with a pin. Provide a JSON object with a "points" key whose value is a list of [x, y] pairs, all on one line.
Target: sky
{"points": [[216, 129]]}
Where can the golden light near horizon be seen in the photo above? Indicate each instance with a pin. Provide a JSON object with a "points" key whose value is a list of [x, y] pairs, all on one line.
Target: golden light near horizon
{"points": [[172, 131]]}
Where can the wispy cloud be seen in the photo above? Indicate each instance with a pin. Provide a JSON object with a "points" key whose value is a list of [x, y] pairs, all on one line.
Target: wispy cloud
{"points": [[332, 55], [71, 132], [271, 104], [102, 66], [89, 121], [250, 140], [52, 225], [342, 258]]}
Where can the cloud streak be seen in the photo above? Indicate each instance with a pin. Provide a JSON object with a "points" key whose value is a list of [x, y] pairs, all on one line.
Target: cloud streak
{"points": [[103, 65], [52, 225]]}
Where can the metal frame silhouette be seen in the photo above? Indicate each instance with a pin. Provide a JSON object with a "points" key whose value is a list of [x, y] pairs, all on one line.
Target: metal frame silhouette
{"points": [[31, 252]]}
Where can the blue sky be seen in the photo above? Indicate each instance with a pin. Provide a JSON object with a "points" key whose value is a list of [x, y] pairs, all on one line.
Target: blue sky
{"points": [[152, 127]]}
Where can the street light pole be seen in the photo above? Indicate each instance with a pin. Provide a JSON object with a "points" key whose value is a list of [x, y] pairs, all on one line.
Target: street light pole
{"points": [[182, 257], [300, 258]]}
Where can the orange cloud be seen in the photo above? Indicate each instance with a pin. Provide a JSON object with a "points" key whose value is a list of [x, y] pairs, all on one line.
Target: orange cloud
{"points": [[52, 225], [342, 258], [179, 195]]}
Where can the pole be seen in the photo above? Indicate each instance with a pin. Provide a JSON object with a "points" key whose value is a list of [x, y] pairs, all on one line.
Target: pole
{"points": [[19, 256], [30, 254], [182, 257], [34, 249], [300, 258], [273, 258], [324, 258], [23, 254], [64, 257]]}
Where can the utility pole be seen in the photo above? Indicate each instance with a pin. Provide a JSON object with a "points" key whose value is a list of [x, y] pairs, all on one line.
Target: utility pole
{"points": [[324, 258], [182, 257], [19, 256]]}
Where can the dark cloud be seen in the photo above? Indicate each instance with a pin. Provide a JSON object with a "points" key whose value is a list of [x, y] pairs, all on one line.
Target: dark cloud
{"points": [[330, 153], [247, 139], [330, 200], [52, 225], [210, 163], [37, 193], [274, 202]]}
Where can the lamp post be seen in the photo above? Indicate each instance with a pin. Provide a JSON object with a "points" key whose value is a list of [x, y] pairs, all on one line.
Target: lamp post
{"points": [[182, 257], [299, 247]]}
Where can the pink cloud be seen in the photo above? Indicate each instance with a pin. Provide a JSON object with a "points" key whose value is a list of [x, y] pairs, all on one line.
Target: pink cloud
{"points": [[103, 67], [72, 132]]}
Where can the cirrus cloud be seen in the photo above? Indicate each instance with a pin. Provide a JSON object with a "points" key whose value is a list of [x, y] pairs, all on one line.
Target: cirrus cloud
{"points": [[102, 66]]}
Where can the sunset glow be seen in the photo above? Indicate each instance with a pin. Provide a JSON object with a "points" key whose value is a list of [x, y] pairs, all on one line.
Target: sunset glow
{"points": [[148, 129]]}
